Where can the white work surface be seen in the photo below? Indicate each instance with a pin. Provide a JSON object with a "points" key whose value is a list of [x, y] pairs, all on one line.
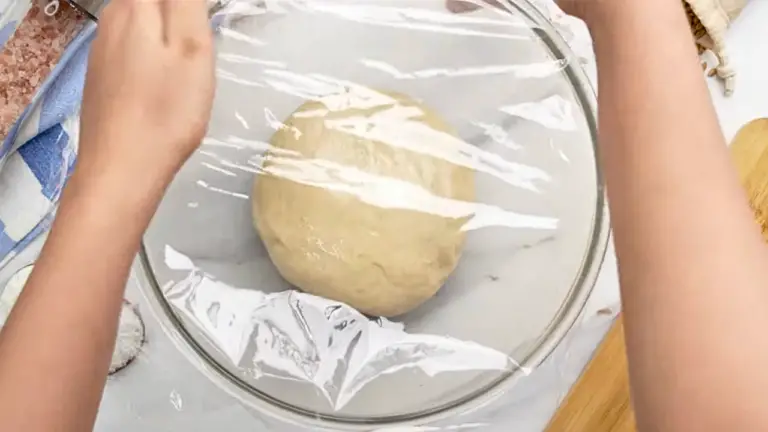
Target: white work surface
{"points": [[163, 391]]}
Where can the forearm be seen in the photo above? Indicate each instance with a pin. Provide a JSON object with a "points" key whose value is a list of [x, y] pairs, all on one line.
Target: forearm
{"points": [[140, 122], [70, 308], [691, 259]]}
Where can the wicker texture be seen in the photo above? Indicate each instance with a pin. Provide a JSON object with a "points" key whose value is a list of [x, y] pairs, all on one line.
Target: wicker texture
{"points": [[697, 27]]}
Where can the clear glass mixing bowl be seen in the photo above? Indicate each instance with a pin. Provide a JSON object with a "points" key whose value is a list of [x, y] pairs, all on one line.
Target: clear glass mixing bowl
{"points": [[523, 112]]}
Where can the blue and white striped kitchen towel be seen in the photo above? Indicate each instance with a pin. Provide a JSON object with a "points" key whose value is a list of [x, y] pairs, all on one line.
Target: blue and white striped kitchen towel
{"points": [[39, 152]]}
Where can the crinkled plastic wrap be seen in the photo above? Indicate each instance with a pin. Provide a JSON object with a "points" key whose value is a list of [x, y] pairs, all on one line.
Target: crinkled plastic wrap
{"points": [[377, 150]]}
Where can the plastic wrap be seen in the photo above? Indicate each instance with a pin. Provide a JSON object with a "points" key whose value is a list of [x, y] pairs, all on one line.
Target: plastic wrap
{"points": [[430, 150]]}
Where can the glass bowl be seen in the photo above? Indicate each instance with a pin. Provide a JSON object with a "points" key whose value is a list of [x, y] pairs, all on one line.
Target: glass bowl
{"points": [[524, 115]]}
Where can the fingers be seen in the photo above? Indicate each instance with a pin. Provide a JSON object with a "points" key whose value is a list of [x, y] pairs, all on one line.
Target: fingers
{"points": [[571, 7], [562, 4], [118, 14], [185, 19], [179, 22]]}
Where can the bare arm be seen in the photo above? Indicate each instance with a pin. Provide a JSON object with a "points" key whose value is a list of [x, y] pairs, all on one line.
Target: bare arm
{"points": [[691, 261], [139, 123], [55, 350]]}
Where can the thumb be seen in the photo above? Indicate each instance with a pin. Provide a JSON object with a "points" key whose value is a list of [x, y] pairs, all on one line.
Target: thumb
{"points": [[567, 6], [573, 7]]}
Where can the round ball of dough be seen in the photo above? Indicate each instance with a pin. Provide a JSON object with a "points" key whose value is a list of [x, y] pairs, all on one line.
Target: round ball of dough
{"points": [[360, 204]]}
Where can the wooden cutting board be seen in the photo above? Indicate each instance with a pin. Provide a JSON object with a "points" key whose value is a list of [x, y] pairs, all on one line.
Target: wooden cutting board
{"points": [[599, 401]]}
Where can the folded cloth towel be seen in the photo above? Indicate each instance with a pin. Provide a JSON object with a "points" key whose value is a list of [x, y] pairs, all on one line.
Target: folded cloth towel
{"points": [[39, 152], [6, 30]]}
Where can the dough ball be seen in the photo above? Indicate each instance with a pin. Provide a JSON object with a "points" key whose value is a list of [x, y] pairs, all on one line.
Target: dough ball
{"points": [[360, 204]]}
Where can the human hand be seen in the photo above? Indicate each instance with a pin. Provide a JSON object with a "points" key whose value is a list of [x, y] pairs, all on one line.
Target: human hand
{"points": [[148, 92], [578, 8]]}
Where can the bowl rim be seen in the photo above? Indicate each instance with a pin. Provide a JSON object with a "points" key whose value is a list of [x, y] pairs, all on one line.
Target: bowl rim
{"points": [[563, 320]]}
